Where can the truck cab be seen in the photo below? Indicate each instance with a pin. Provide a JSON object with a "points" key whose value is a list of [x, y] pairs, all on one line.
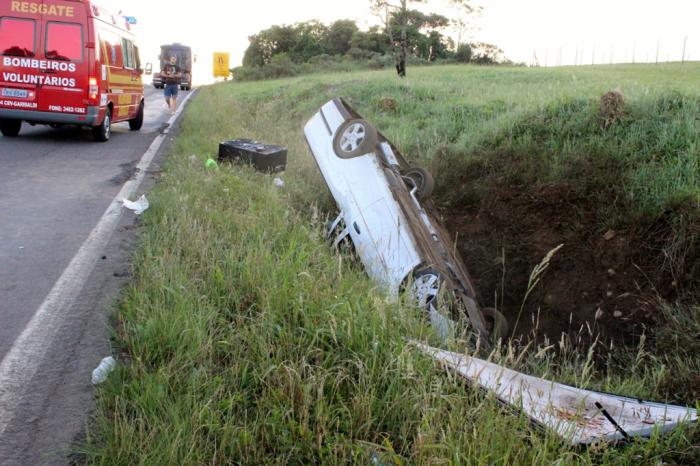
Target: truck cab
{"points": [[184, 61]]}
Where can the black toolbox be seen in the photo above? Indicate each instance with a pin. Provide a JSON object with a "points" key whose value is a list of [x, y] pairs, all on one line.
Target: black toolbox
{"points": [[263, 157]]}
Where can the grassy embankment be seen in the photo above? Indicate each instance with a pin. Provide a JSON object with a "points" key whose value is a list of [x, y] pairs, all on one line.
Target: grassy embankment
{"points": [[245, 340]]}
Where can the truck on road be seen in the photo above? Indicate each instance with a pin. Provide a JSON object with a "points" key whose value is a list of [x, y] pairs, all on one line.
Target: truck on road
{"points": [[184, 61]]}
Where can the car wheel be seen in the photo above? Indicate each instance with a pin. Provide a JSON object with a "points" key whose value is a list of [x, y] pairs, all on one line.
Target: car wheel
{"points": [[496, 323], [10, 128], [102, 132], [426, 287], [136, 123], [421, 179], [353, 138]]}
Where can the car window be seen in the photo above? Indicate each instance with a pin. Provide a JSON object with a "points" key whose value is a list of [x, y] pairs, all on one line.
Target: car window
{"points": [[64, 41], [17, 37]]}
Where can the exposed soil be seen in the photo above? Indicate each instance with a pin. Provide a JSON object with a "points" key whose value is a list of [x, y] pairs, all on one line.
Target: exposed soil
{"points": [[609, 281]]}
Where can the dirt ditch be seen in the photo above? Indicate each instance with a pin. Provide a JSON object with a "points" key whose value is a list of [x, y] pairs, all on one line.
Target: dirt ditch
{"points": [[611, 283]]}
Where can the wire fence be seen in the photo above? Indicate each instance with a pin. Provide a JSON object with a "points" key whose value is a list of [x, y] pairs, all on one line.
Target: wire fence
{"points": [[681, 50]]}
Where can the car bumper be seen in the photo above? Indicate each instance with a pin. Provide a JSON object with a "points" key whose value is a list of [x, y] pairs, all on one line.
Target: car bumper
{"points": [[91, 118]]}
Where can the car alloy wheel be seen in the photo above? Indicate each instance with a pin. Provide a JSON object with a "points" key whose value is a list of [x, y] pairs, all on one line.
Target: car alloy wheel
{"points": [[353, 138]]}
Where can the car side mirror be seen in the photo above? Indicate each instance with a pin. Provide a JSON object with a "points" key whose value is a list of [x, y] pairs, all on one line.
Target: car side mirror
{"points": [[149, 68]]}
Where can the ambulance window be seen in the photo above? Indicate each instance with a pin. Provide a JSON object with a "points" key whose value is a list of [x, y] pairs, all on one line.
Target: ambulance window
{"points": [[128, 54], [17, 37], [64, 41], [137, 57], [113, 46]]}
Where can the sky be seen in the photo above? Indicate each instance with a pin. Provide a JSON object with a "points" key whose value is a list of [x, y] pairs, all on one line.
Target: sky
{"points": [[547, 32]]}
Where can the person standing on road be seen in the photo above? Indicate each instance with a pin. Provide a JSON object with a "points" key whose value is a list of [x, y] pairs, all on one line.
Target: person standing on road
{"points": [[173, 75]]}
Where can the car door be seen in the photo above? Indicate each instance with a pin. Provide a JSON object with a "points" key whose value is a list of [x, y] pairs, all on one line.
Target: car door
{"points": [[378, 226]]}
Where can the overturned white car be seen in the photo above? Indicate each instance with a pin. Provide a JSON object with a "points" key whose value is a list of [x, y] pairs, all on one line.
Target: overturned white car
{"points": [[385, 211]]}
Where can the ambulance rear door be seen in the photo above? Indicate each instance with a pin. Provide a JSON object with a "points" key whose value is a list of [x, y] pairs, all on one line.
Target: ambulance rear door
{"points": [[20, 32], [64, 43]]}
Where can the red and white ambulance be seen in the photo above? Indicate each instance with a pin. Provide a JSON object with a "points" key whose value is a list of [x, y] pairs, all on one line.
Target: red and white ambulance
{"points": [[67, 62]]}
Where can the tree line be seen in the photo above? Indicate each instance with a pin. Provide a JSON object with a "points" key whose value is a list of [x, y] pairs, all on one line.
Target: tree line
{"points": [[406, 35]]}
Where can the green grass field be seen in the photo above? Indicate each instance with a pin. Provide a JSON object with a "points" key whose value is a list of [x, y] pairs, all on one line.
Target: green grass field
{"points": [[243, 339]]}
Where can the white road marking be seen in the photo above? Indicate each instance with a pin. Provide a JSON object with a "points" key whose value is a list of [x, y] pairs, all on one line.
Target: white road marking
{"points": [[22, 361]]}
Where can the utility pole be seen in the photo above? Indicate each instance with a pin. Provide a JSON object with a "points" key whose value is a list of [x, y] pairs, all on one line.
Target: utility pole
{"points": [[658, 44], [685, 42]]}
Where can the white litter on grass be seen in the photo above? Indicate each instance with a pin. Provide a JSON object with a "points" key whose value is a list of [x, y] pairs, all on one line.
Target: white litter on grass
{"points": [[102, 371], [138, 206], [279, 182], [578, 416]]}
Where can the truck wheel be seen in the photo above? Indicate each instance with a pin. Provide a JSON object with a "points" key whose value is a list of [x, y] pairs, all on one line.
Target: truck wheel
{"points": [[496, 323], [10, 128], [353, 138], [421, 179], [136, 123], [102, 132]]}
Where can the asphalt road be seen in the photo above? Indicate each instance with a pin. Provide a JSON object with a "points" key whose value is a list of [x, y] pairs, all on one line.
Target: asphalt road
{"points": [[55, 184]]}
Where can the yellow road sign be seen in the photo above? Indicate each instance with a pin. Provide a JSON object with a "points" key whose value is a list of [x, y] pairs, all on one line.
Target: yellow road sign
{"points": [[221, 68]]}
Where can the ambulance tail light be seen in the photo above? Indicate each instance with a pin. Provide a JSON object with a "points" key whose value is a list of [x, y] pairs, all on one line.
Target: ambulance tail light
{"points": [[93, 90]]}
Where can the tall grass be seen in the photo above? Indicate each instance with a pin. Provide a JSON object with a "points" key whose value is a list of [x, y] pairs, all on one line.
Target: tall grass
{"points": [[244, 339]]}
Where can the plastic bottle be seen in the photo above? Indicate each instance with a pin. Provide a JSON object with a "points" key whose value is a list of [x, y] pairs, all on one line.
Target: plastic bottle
{"points": [[102, 371]]}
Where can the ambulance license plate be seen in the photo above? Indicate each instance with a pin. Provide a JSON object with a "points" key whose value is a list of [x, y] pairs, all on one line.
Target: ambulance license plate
{"points": [[16, 93]]}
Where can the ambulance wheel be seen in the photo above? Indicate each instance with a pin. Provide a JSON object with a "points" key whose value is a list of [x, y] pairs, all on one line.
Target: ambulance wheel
{"points": [[10, 128], [137, 122], [102, 132]]}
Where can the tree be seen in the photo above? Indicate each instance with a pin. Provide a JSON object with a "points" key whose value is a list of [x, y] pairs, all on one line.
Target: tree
{"points": [[264, 45], [386, 10], [463, 12], [307, 42], [339, 36], [486, 54], [463, 53], [372, 40]]}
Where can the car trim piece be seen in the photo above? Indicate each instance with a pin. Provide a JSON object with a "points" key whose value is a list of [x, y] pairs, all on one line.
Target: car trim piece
{"points": [[340, 105], [325, 122]]}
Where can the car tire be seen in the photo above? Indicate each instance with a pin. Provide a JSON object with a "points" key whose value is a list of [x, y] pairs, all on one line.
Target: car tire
{"points": [[426, 287], [422, 180], [102, 132], [136, 123], [353, 138], [497, 323], [10, 128]]}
